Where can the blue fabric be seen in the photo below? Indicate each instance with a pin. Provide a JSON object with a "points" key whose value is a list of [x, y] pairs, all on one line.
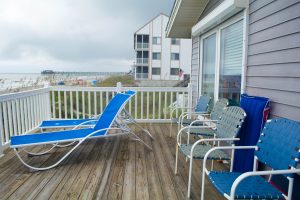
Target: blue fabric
{"points": [[279, 144], [51, 137], [111, 111], [254, 187], [249, 133], [105, 121], [202, 104]]}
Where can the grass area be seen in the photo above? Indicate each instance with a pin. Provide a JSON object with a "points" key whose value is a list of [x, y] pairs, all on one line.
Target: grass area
{"points": [[112, 81]]}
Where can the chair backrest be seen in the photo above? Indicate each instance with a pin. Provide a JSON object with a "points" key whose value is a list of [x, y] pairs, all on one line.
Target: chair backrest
{"points": [[279, 144], [202, 103], [230, 122], [218, 108], [113, 108]]}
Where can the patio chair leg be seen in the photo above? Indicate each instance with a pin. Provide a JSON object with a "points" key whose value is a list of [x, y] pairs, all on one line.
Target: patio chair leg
{"points": [[137, 138], [203, 184], [176, 159], [171, 129], [190, 177]]}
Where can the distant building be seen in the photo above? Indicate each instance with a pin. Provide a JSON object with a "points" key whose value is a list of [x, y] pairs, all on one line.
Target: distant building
{"points": [[158, 57]]}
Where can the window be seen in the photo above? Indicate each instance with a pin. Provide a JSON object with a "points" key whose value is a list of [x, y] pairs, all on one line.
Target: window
{"points": [[221, 76], [156, 56], [174, 56], [208, 66], [155, 71], [156, 40], [175, 41], [174, 71], [231, 61]]}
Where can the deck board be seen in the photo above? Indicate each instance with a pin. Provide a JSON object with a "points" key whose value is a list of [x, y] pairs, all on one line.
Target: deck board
{"points": [[112, 168]]}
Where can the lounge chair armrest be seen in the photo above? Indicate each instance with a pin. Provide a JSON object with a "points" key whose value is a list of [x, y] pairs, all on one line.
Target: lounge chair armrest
{"points": [[259, 173], [83, 123]]}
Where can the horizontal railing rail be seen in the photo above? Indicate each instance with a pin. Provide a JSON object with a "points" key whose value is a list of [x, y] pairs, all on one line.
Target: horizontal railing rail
{"points": [[21, 112]]}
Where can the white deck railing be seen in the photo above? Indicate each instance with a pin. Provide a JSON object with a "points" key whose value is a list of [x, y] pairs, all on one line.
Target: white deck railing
{"points": [[22, 112]]}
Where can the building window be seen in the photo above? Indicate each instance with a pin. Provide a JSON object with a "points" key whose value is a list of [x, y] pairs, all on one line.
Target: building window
{"points": [[231, 61], [155, 71], [174, 56], [175, 41], [174, 71], [156, 40], [156, 56], [228, 66]]}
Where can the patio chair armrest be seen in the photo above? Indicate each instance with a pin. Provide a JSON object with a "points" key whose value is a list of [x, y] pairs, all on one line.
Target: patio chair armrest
{"points": [[258, 173], [202, 120], [212, 140]]}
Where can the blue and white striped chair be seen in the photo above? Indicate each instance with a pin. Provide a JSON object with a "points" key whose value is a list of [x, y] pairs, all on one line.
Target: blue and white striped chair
{"points": [[278, 147]]}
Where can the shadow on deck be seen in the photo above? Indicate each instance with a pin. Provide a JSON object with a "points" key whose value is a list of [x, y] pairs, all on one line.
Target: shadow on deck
{"points": [[114, 168]]}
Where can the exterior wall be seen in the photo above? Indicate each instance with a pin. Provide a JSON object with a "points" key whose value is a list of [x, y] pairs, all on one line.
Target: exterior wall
{"points": [[195, 68], [273, 61], [156, 28]]}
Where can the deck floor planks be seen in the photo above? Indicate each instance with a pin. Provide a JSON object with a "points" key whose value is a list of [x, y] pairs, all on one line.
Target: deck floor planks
{"points": [[114, 168], [68, 180], [129, 183], [19, 174], [155, 189], [48, 189], [94, 176]]}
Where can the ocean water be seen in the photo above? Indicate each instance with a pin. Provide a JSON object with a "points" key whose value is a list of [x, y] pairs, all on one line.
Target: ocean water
{"points": [[12, 81], [16, 80]]}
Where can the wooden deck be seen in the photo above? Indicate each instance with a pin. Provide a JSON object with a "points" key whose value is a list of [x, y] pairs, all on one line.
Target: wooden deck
{"points": [[114, 168]]}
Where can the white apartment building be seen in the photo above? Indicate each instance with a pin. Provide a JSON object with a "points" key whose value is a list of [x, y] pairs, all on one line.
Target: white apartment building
{"points": [[158, 57]]}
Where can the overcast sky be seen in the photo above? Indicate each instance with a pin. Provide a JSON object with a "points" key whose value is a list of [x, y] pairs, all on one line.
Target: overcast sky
{"points": [[72, 35]]}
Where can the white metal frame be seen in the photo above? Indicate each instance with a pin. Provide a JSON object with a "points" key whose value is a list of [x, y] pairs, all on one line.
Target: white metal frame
{"points": [[190, 157], [247, 174], [217, 30]]}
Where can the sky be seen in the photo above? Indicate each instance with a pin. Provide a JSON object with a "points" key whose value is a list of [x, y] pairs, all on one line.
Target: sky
{"points": [[72, 35]]}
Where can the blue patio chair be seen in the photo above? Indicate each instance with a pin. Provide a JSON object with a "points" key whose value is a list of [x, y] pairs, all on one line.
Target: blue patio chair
{"points": [[227, 129], [278, 147], [108, 121], [200, 108], [87, 123]]}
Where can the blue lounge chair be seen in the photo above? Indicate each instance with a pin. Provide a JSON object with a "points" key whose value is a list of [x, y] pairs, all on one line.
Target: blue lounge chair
{"points": [[200, 108], [109, 120], [278, 147]]}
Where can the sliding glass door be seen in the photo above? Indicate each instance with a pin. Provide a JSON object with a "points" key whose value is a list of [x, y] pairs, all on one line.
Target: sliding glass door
{"points": [[208, 66], [222, 62]]}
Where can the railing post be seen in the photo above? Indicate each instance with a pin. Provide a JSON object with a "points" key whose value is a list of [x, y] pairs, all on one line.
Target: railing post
{"points": [[1, 147], [190, 96], [119, 87]]}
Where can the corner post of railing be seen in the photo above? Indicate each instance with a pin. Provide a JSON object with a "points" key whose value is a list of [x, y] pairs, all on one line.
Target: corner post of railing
{"points": [[119, 87], [189, 99]]}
